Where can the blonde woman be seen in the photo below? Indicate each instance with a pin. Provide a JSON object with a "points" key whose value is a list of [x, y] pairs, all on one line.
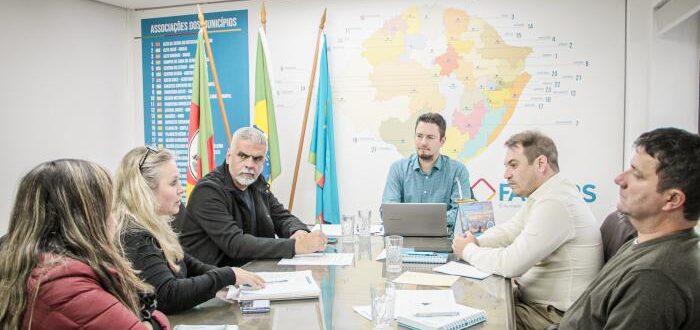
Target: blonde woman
{"points": [[59, 267], [148, 193]]}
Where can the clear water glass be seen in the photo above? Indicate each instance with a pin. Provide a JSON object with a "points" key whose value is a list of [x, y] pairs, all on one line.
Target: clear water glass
{"points": [[394, 246], [364, 221], [383, 300], [347, 226]]}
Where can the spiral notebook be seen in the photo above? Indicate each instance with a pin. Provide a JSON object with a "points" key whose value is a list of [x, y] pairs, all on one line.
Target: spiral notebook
{"points": [[467, 317], [411, 256]]}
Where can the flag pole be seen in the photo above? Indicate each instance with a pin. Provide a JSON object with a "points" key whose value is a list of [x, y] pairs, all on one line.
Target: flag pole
{"points": [[224, 117], [263, 17], [306, 110], [263, 23]]}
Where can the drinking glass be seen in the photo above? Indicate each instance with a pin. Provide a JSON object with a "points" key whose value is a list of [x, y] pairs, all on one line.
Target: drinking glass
{"points": [[383, 300], [394, 246], [364, 222], [347, 226]]}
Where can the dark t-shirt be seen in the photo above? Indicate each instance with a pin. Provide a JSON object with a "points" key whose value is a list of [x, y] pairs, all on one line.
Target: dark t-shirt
{"points": [[649, 285], [247, 198]]}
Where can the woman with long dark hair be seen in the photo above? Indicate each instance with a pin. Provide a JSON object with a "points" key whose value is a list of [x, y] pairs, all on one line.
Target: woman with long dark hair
{"points": [[59, 266]]}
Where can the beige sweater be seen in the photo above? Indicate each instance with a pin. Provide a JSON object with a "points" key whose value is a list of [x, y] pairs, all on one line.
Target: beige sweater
{"points": [[552, 246]]}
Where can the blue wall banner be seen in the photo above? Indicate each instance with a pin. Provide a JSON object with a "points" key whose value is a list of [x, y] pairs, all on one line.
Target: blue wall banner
{"points": [[168, 47]]}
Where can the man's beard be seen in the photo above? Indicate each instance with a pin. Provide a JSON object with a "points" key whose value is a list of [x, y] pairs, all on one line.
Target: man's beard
{"points": [[426, 157], [246, 180]]}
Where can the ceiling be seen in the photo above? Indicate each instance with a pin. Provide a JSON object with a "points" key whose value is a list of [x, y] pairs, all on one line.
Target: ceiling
{"points": [[154, 4]]}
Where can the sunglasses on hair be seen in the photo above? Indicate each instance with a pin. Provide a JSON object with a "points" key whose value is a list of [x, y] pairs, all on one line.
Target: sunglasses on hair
{"points": [[149, 149]]}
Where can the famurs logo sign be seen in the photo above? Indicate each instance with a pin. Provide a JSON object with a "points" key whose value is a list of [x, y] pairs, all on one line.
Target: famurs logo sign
{"points": [[484, 190]]}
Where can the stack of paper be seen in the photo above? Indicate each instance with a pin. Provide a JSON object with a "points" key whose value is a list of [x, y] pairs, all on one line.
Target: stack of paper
{"points": [[329, 230], [279, 286], [336, 230], [426, 279], [323, 259], [429, 309], [407, 301], [460, 269]]}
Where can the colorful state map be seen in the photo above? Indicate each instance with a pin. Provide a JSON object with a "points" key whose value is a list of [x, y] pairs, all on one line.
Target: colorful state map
{"points": [[446, 61]]}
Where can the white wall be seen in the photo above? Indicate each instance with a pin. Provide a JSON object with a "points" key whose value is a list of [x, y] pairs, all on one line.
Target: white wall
{"points": [[68, 85], [63, 87], [662, 74]]}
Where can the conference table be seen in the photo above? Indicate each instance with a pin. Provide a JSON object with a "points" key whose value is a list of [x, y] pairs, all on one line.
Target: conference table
{"points": [[343, 287]]}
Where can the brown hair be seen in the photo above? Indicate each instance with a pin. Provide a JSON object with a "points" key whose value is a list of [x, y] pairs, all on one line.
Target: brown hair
{"points": [[534, 145], [678, 155], [62, 209], [433, 118]]}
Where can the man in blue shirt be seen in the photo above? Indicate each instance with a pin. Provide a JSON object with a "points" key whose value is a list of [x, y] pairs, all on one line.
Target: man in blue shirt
{"points": [[427, 176]]}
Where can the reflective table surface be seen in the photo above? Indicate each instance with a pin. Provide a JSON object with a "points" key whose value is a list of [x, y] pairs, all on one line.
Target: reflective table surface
{"points": [[343, 287]]}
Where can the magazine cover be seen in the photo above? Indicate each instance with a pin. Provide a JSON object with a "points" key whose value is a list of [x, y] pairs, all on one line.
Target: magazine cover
{"points": [[476, 216]]}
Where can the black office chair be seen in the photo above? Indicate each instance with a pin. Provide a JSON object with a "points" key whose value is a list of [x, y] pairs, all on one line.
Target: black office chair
{"points": [[615, 230]]}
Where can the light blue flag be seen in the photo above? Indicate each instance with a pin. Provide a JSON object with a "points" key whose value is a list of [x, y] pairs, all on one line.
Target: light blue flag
{"points": [[322, 152]]}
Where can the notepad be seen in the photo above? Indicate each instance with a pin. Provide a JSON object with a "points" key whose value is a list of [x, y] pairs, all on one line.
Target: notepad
{"points": [[460, 269], [280, 286], [426, 279], [466, 317]]}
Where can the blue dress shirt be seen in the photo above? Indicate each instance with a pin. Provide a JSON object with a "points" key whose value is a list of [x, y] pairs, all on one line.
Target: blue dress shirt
{"points": [[407, 183]]}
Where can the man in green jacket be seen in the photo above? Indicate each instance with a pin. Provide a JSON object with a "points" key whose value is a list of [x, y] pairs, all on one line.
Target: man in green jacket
{"points": [[653, 282]]}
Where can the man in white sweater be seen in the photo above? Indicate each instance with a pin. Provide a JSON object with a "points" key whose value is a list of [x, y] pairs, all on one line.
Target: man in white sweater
{"points": [[552, 246]]}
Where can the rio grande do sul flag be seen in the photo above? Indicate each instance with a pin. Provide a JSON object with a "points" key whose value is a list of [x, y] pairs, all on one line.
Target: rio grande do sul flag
{"points": [[200, 151]]}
